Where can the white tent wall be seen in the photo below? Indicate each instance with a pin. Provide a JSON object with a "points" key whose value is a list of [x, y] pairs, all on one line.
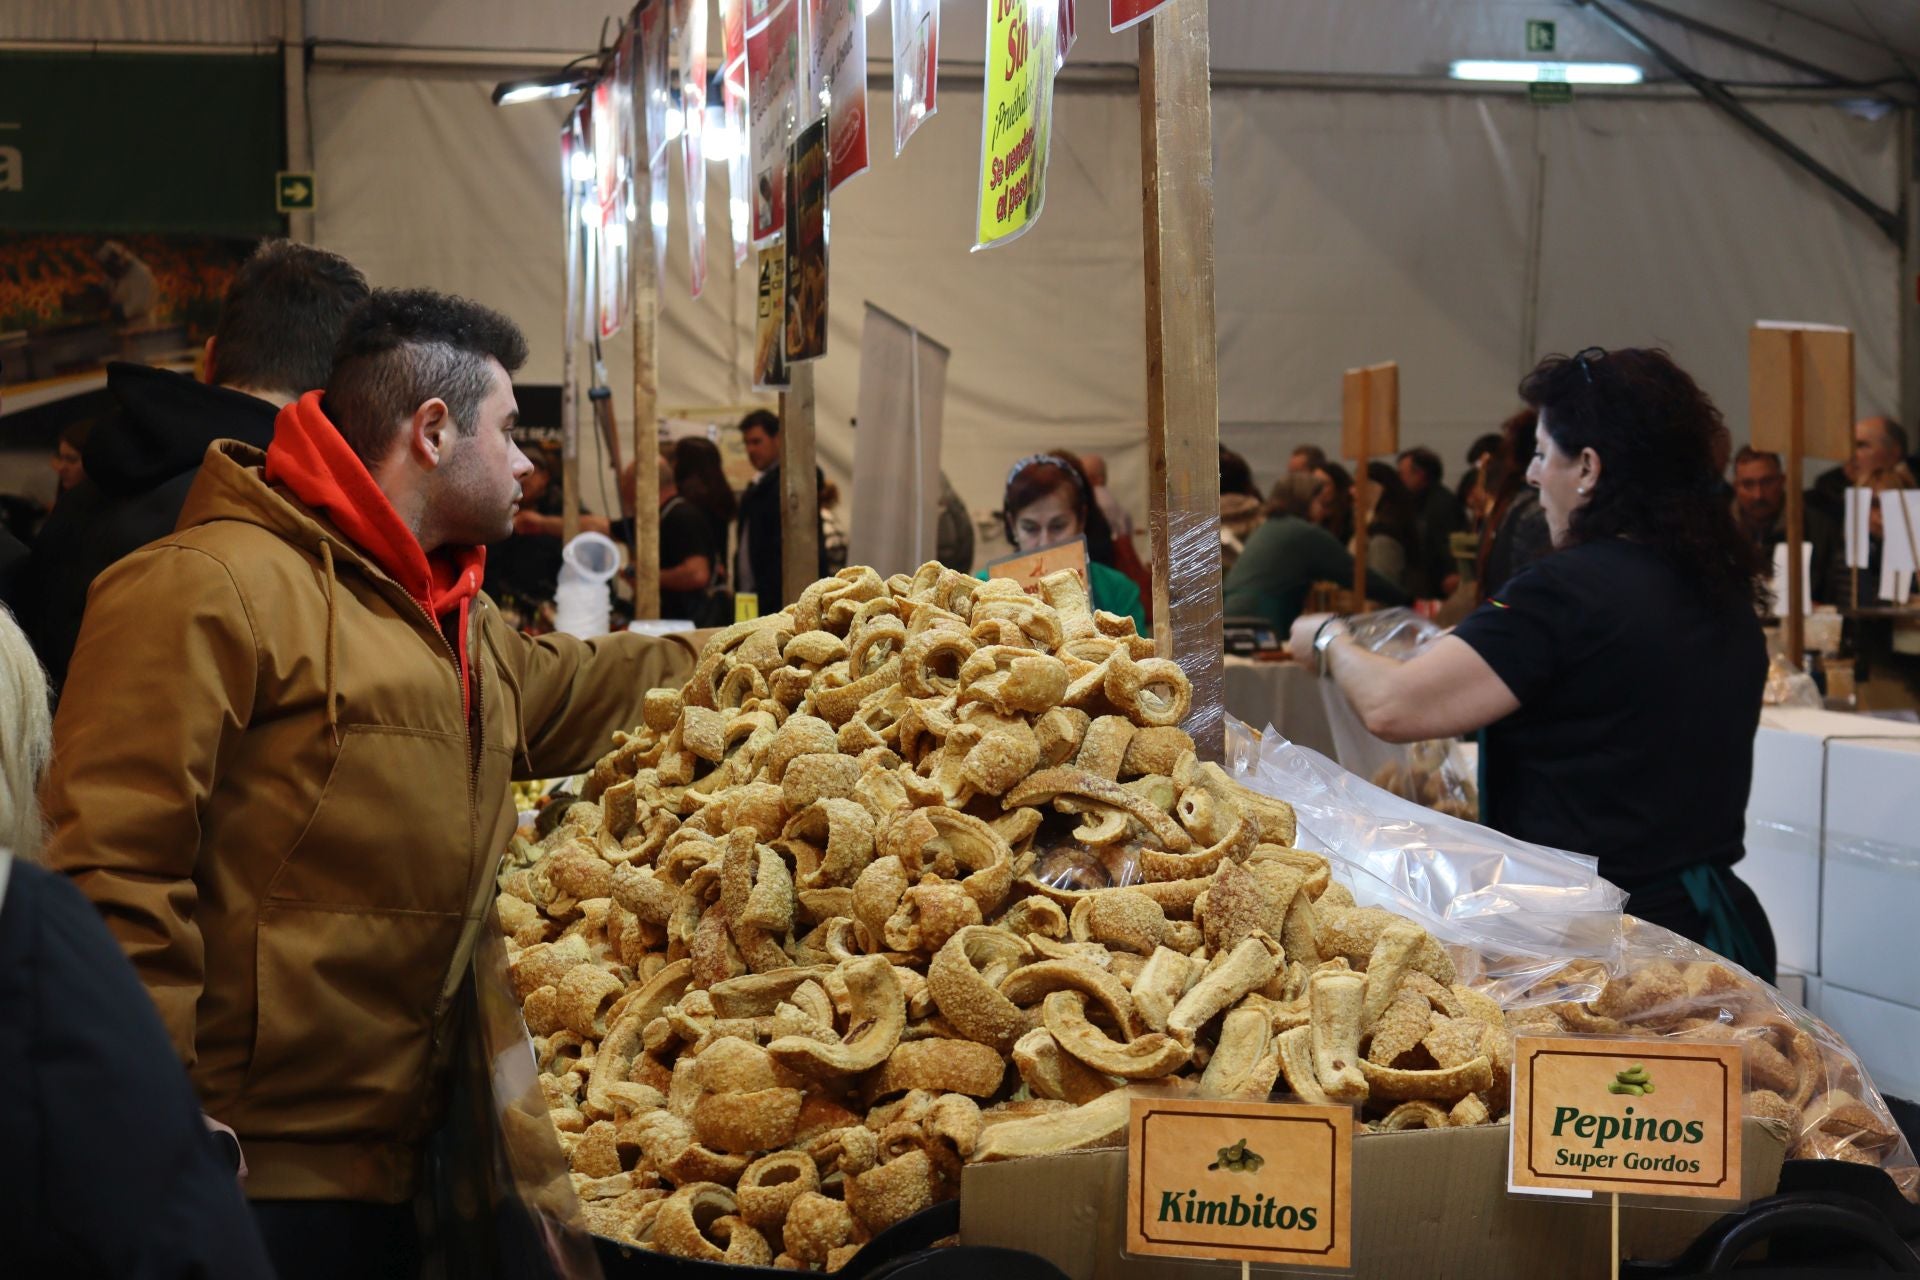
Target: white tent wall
{"points": [[1350, 227]]}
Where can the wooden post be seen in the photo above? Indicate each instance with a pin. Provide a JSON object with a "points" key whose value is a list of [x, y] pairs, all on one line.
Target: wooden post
{"points": [[1360, 515], [1183, 393], [1796, 503], [569, 372], [643, 280], [1369, 423], [799, 491]]}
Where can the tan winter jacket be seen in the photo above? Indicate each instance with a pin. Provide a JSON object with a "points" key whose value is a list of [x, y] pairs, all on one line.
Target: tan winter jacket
{"points": [[263, 779]]}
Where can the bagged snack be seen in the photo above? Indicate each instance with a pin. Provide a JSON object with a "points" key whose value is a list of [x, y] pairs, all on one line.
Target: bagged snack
{"points": [[1432, 773]]}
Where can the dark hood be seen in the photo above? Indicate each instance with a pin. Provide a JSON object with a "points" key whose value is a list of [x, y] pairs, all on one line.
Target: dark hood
{"points": [[165, 423]]}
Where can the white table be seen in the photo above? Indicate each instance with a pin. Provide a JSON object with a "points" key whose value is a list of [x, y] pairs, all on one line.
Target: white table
{"points": [[1282, 694]]}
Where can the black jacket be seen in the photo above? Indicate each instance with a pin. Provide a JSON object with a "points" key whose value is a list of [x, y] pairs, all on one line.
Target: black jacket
{"points": [[109, 1169], [140, 463], [758, 560]]}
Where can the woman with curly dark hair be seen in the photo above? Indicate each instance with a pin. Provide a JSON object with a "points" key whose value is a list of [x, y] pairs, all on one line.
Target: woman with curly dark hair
{"points": [[1618, 678]]}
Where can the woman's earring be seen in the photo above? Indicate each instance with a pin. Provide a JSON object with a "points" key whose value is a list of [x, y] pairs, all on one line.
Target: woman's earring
{"points": [[1582, 491]]}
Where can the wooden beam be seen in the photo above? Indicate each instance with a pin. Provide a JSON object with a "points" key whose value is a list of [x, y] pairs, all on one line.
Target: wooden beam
{"points": [[799, 493], [569, 370], [1794, 615], [1183, 394], [643, 281]]}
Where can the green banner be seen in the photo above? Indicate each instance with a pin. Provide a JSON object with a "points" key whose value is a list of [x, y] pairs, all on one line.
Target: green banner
{"points": [[128, 143]]}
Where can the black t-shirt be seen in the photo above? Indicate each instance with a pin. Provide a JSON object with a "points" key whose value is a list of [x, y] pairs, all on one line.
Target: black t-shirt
{"points": [[1638, 705], [684, 531]]}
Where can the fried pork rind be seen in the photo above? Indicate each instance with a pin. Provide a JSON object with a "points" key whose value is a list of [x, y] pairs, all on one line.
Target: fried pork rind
{"points": [[912, 833]]}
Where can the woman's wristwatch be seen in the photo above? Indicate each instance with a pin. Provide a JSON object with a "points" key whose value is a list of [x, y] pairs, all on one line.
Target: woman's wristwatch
{"points": [[1324, 638]]}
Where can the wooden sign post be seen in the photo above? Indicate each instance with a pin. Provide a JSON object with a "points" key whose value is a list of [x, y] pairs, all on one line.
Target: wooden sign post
{"points": [[643, 291], [569, 367], [1183, 393], [1369, 428], [1800, 388], [799, 490]]}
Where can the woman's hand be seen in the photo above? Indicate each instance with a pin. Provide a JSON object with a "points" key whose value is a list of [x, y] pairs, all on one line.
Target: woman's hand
{"points": [[1300, 642]]}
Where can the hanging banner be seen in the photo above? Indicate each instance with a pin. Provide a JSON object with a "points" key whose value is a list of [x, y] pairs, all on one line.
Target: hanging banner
{"points": [[691, 38], [808, 177], [1069, 30], [837, 82], [916, 66], [1017, 117], [607, 202], [773, 66], [733, 115], [770, 303], [649, 40], [1122, 14]]}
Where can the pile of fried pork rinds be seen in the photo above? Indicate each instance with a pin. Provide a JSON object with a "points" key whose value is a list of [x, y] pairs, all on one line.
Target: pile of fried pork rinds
{"points": [[919, 872], [1798, 1074]]}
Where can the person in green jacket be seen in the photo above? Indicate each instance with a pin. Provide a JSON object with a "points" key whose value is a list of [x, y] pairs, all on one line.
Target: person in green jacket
{"points": [[1286, 555], [1048, 501]]}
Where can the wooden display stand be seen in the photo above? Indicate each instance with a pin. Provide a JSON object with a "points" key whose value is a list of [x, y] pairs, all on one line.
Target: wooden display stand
{"points": [[1800, 388], [1369, 429]]}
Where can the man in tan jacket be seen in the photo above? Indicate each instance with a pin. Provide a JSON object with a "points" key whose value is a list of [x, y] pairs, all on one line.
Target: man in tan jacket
{"points": [[282, 763]]}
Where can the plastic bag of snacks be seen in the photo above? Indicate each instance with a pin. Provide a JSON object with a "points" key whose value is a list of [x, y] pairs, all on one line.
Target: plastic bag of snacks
{"points": [[1539, 931], [1433, 773]]}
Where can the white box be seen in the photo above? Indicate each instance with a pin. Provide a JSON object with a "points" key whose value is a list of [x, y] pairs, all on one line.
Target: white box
{"points": [[1783, 840], [1870, 883], [1884, 1035]]}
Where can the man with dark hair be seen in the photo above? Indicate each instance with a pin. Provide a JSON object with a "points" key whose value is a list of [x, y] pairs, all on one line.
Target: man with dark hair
{"points": [[757, 560], [278, 324], [1306, 459], [282, 764], [1438, 515], [1760, 509]]}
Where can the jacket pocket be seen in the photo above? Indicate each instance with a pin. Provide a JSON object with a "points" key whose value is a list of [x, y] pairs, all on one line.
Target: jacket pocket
{"points": [[392, 828], [344, 1023]]}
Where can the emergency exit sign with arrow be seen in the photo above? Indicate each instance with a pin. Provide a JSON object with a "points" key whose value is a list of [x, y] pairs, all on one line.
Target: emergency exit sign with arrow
{"points": [[293, 192]]}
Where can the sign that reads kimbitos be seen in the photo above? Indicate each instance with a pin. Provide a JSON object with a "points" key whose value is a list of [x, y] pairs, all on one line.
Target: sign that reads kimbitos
{"points": [[1241, 1181], [1632, 1117]]}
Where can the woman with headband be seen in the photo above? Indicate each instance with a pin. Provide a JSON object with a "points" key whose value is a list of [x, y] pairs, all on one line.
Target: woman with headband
{"points": [[1048, 501]]}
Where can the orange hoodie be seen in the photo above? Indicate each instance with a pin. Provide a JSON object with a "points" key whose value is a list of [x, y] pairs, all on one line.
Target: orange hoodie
{"points": [[313, 460]]}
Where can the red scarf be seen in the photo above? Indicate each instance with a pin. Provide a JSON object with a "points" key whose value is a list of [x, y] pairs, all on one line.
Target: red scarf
{"points": [[310, 457]]}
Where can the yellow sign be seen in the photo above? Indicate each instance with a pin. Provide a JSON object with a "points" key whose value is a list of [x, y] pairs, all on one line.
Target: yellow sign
{"points": [[1028, 567], [746, 606], [1022, 42], [1639, 1117], [1245, 1181]]}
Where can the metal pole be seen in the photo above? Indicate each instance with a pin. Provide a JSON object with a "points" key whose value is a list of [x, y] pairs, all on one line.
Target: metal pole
{"points": [[644, 288], [293, 52], [799, 489], [1794, 615], [1909, 279], [569, 377], [1183, 393]]}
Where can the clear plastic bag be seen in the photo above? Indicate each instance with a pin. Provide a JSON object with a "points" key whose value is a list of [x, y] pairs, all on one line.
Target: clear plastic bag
{"points": [[1539, 931], [1434, 773], [1789, 686]]}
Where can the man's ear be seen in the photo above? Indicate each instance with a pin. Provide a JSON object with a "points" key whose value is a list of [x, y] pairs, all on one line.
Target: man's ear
{"points": [[429, 432]]}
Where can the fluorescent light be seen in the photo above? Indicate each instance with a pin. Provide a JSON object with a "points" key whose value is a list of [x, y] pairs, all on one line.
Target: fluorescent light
{"points": [[873, 7], [582, 163], [1514, 72], [554, 84]]}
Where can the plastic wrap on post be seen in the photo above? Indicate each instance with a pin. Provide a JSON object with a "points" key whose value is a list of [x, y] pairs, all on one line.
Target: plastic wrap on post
{"points": [[1788, 686], [535, 1170], [1542, 933], [1191, 621]]}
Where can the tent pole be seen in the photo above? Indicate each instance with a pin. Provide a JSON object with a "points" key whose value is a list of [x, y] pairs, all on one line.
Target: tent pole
{"points": [[799, 490]]}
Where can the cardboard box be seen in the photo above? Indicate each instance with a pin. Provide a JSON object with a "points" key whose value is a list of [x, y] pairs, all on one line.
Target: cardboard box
{"points": [[1882, 1033], [1870, 889], [1785, 812], [1426, 1203]]}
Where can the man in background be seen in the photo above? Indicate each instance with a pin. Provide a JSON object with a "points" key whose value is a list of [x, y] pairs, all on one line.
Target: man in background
{"points": [[1879, 448], [278, 324], [1306, 460], [1438, 515], [758, 561], [131, 291], [69, 456], [1760, 509], [686, 553]]}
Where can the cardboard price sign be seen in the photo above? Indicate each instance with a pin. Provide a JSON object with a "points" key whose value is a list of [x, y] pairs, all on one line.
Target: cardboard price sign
{"points": [[1028, 567], [1249, 1182], [1800, 378], [1633, 1117]]}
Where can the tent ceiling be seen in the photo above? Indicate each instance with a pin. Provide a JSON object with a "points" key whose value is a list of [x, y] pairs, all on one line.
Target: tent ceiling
{"points": [[1859, 39]]}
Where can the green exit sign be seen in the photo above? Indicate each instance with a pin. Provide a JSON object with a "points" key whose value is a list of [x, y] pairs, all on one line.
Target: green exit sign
{"points": [[293, 192], [1540, 36]]}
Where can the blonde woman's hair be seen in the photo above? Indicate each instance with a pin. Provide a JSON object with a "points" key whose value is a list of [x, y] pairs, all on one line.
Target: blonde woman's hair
{"points": [[26, 741]]}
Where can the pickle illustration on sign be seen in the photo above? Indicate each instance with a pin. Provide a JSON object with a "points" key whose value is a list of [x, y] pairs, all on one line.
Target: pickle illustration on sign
{"points": [[1237, 1159], [1633, 1080]]}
